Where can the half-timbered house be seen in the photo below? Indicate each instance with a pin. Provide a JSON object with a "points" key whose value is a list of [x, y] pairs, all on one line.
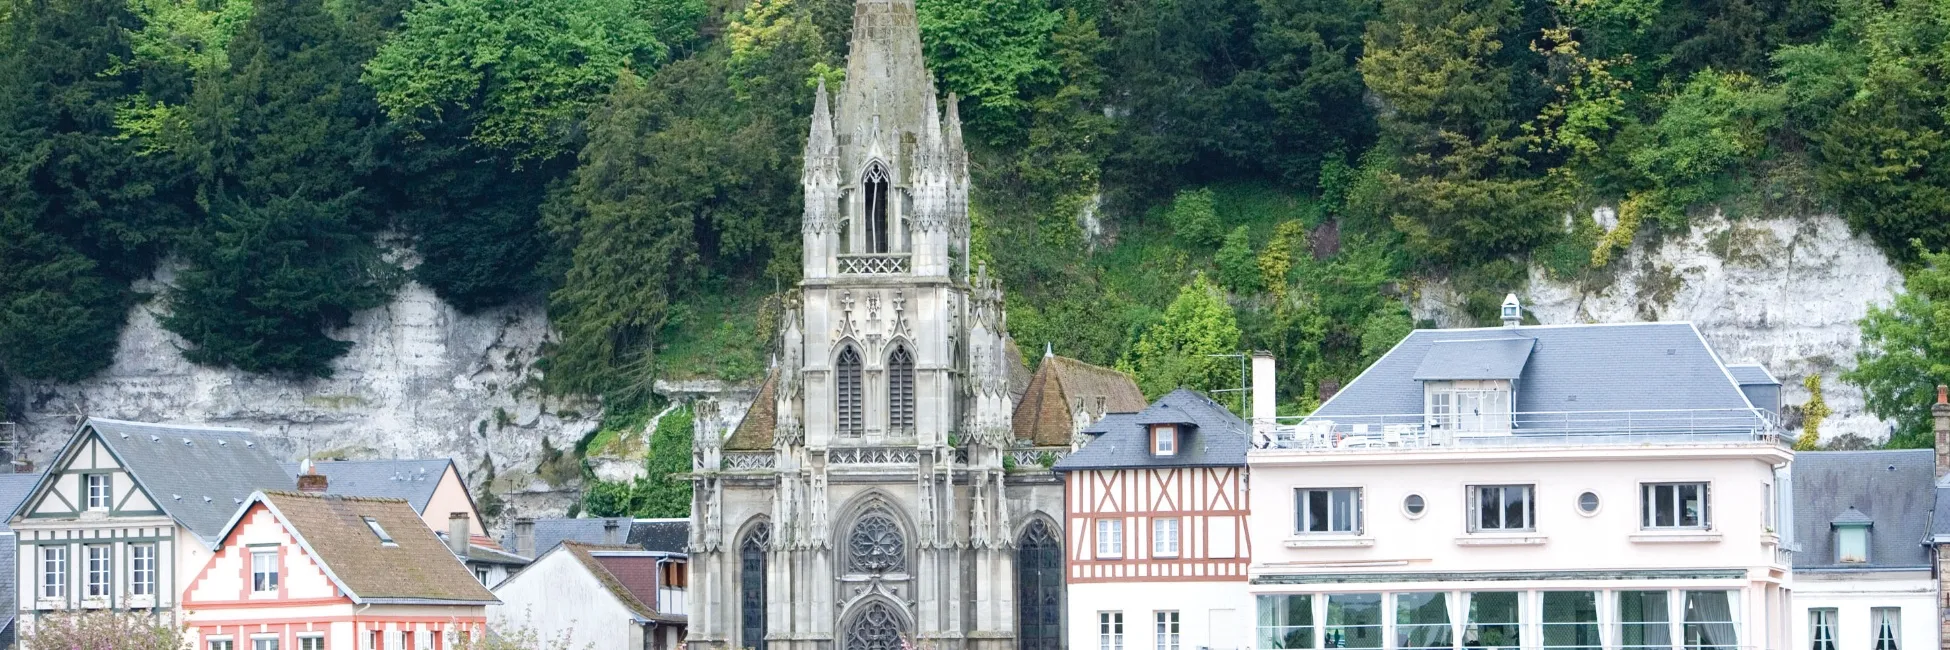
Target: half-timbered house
{"points": [[128, 511], [1156, 518]]}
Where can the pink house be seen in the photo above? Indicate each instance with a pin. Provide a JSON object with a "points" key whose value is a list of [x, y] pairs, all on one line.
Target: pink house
{"points": [[308, 571]]}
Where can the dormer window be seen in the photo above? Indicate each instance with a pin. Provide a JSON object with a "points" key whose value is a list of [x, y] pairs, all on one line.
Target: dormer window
{"points": [[1164, 440], [1468, 406], [1852, 537]]}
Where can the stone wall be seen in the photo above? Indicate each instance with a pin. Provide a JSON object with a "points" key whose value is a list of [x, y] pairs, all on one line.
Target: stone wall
{"points": [[1782, 292]]}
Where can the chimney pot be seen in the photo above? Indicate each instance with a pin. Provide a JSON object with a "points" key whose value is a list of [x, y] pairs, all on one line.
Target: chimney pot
{"points": [[458, 534], [312, 482], [610, 527]]}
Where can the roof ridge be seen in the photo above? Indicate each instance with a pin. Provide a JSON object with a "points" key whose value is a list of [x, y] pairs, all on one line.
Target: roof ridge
{"points": [[1672, 323], [192, 428], [330, 496]]}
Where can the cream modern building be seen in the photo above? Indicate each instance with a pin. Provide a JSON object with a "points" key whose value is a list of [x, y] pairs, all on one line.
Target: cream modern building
{"points": [[1589, 487]]}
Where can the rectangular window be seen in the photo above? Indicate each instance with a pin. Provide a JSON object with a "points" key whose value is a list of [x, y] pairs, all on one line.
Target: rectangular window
{"points": [[221, 644], [1110, 630], [1286, 622], [1888, 623], [1328, 510], [1469, 406], [1851, 544], [98, 492], [1168, 631], [1353, 621], [1501, 508], [264, 571], [1673, 505], [1164, 440], [481, 574], [1164, 537], [1709, 621], [1110, 538], [54, 572], [311, 643], [142, 569], [1644, 620], [1422, 621], [100, 566], [264, 643], [1821, 629], [1571, 620], [1494, 621], [379, 531]]}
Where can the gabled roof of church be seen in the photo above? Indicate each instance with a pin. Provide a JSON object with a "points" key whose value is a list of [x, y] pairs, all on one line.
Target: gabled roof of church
{"points": [[1046, 413], [754, 432]]}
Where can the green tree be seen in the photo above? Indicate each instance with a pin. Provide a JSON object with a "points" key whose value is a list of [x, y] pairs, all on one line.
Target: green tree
{"points": [[1812, 414], [295, 181], [533, 68], [1238, 267], [1906, 352], [1194, 217], [1174, 351], [1064, 152], [82, 210], [991, 52]]}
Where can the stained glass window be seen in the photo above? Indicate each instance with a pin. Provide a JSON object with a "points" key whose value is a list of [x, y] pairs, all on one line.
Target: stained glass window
{"points": [[875, 545], [876, 627], [1039, 581], [751, 583]]}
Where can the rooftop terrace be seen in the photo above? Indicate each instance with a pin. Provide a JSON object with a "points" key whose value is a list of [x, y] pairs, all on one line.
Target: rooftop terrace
{"points": [[1522, 429]]}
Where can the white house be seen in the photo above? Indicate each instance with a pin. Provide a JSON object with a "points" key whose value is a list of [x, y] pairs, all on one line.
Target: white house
{"points": [[1862, 564], [1540, 487], [611, 597]]}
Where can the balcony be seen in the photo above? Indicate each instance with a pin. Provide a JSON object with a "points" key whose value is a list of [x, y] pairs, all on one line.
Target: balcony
{"points": [[1523, 429], [874, 264], [672, 600]]}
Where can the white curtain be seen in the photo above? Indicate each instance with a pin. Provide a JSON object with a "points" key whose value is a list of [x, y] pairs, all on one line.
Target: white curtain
{"points": [[1821, 633], [1889, 625], [1709, 620]]}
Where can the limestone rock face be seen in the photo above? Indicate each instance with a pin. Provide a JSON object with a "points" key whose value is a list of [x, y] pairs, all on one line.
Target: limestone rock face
{"points": [[422, 380], [1783, 292]]}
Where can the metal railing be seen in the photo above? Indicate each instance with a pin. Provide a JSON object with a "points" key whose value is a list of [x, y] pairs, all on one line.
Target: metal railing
{"points": [[873, 264], [1521, 429]]}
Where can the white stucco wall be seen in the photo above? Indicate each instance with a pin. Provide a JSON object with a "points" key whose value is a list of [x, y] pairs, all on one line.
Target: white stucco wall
{"points": [[1216, 615], [1853, 594], [555, 597]]}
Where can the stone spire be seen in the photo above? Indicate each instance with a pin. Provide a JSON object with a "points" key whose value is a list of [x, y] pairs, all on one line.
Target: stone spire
{"points": [[822, 148], [885, 79]]}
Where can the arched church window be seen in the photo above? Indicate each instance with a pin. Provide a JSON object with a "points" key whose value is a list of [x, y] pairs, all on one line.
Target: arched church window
{"points": [[1039, 585], [875, 545], [751, 586], [849, 406], [876, 627], [900, 389], [877, 188]]}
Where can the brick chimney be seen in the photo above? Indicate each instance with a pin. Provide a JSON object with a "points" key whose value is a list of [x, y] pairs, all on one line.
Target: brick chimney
{"points": [[309, 480], [610, 527], [525, 537], [1940, 412], [458, 534]]}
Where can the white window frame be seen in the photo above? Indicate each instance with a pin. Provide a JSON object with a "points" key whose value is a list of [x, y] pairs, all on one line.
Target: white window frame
{"points": [[1529, 491], [1164, 440], [99, 572], [1164, 537], [1110, 539], [1876, 614], [1821, 628], [1843, 533], [54, 571], [142, 570], [106, 496], [1355, 497], [1650, 501], [1167, 629], [1110, 630], [269, 586], [220, 643], [1474, 407], [264, 642], [318, 639]]}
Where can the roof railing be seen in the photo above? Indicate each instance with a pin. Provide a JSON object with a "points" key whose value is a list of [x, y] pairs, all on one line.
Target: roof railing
{"points": [[1520, 429]]}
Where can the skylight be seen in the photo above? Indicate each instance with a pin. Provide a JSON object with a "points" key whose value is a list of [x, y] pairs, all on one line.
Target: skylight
{"points": [[379, 531]]}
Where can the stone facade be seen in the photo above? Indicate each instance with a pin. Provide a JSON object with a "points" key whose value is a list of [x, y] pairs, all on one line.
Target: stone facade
{"points": [[875, 490]]}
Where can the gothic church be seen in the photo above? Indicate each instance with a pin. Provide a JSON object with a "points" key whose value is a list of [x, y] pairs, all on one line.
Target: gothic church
{"points": [[885, 484]]}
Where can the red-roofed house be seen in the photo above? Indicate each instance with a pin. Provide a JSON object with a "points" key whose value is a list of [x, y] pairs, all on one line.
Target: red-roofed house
{"points": [[620, 597], [308, 571]]}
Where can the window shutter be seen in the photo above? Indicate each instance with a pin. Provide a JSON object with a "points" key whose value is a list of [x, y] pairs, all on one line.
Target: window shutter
{"points": [[1706, 505]]}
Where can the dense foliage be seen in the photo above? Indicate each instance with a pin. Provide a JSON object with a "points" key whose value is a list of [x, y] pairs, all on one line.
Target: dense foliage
{"points": [[1141, 167], [663, 491], [1906, 352]]}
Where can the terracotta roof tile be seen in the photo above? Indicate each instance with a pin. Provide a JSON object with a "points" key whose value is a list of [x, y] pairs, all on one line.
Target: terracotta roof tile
{"points": [[417, 566], [1045, 413]]}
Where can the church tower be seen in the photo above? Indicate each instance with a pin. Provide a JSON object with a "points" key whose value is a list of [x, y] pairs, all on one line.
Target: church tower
{"points": [[865, 497]]}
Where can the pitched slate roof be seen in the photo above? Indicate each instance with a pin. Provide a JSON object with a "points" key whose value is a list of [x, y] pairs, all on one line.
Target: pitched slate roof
{"points": [[13, 490], [1045, 413], [662, 535], [199, 475], [1217, 438], [1616, 367], [1475, 359], [754, 431], [1893, 490], [1749, 374], [629, 573], [414, 480], [416, 568]]}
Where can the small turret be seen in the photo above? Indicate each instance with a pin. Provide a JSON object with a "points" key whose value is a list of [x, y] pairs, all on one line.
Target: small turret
{"points": [[821, 182]]}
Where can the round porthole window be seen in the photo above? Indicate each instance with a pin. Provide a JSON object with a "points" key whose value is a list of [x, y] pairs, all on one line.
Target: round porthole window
{"points": [[1588, 503], [1413, 506]]}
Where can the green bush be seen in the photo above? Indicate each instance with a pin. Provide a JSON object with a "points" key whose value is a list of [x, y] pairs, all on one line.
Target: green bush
{"points": [[1194, 217], [1238, 266]]}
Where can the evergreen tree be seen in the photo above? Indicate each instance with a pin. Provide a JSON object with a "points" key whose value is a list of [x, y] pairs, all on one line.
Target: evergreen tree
{"points": [[991, 52], [296, 184], [83, 211]]}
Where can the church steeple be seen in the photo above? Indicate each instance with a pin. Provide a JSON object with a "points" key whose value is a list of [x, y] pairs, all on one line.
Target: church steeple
{"points": [[822, 184]]}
